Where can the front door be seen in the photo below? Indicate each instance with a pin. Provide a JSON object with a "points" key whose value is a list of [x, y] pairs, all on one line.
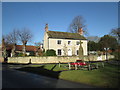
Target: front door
{"points": [[69, 52]]}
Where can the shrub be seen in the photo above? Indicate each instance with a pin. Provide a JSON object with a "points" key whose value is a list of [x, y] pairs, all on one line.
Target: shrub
{"points": [[50, 52], [20, 55], [32, 54], [117, 55]]}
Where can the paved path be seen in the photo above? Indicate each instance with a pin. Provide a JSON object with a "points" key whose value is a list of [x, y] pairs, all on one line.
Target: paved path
{"points": [[19, 79]]}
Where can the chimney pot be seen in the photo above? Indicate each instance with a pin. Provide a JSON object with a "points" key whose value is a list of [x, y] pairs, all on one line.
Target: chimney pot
{"points": [[46, 27]]}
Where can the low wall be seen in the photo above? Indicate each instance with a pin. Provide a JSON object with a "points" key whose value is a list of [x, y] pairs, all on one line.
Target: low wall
{"points": [[52, 59]]}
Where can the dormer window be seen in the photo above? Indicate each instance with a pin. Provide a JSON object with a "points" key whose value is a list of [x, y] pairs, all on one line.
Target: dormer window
{"points": [[59, 42], [69, 42]]}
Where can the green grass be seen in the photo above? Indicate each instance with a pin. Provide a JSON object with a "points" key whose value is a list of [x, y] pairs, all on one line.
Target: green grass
{"points": [[101, 77]]}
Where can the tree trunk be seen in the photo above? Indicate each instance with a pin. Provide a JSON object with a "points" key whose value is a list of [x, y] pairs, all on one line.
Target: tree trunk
{"points": [[4, 52], [24, 47], [13, 50]]}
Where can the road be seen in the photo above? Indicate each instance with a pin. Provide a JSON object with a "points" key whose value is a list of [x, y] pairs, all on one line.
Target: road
{"points": [[12, 78]]}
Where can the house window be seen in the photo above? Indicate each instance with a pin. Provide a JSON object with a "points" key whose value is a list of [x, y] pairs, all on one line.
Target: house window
{"points": [[59, 52], [69, 42], [77, 43], [77, 52], [59, 42]]}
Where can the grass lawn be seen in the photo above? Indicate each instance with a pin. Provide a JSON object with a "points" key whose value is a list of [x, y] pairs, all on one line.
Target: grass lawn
{"points": [[101, 77]]}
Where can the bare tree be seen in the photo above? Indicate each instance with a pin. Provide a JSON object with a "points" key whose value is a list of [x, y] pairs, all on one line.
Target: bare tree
{"points": [[76, 24], [38, 48], [4, 40], [12, 38], [25, 36], [4, 54], [38, 44]]}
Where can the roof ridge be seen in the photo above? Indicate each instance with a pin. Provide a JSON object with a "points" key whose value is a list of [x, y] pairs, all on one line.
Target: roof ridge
{"points": [[63, 32], [26, 45]]}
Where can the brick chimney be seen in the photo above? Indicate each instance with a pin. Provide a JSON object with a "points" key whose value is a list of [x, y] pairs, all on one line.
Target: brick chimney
{"points": [[80, 31], [46, 27]]}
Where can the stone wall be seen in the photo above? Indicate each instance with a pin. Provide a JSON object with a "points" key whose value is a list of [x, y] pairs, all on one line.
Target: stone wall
{"points": [[52, 59]]}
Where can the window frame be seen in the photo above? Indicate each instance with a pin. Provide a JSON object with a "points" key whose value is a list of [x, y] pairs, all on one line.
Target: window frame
{"points": [[77, 42], [77, 52], [59, 42], [59, 52], [69, 43]]}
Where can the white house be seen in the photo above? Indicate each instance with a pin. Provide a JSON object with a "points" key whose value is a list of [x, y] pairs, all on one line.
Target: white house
{"points": [[64, 43]]}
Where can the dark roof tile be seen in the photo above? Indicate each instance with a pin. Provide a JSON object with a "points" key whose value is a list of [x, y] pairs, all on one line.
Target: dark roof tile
{"points": [[65, 35]]}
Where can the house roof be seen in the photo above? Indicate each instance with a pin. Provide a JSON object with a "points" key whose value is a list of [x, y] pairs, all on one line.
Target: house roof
{"points": [[65, 35], [28, 48], [20, 47]]}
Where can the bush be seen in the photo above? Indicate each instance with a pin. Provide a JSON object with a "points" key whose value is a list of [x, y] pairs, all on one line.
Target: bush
{"points": [[32, 54], [20, 55], [117, 55], [50, 52]]}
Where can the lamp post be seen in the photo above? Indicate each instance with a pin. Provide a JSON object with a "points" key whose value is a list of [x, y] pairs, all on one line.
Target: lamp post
{"points": [[106, 49]]}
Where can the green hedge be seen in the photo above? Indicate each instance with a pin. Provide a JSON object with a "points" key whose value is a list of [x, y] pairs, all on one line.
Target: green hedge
{"points": [[20, 55], [117, 55], [50, 52]]}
